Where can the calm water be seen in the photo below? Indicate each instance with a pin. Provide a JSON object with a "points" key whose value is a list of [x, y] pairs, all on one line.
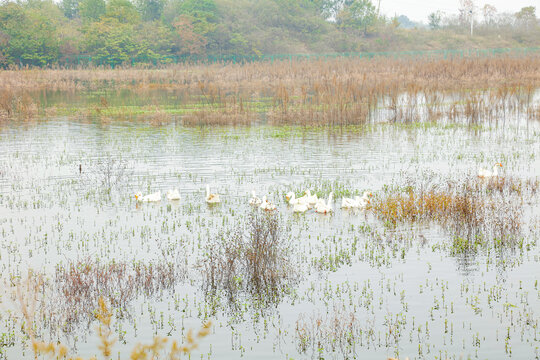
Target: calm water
{"points": [[405, 291]]}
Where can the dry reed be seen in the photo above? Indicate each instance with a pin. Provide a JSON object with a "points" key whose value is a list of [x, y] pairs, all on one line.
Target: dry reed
{"points": [[334, 92], [469, 207]]}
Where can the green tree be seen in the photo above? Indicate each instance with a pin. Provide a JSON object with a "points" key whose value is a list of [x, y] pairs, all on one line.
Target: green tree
{"points": [[527, 16], [70, 8], [122, 10], [91, 10], [155, 40], [30, 33], [110, 41], [357, 14], [150, 10], [435, 20]]}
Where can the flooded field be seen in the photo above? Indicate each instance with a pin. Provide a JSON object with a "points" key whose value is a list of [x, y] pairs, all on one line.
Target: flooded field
{"points": [[432, 261], [347, 284]]}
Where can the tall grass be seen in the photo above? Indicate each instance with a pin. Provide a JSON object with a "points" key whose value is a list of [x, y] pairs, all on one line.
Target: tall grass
{"points": [[468, 207], [333, 92], [159, 348], [252, 259]]}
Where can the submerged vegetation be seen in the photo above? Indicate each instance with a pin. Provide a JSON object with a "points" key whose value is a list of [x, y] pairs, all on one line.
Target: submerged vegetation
{"points": [[254, 259], [27, 297]]}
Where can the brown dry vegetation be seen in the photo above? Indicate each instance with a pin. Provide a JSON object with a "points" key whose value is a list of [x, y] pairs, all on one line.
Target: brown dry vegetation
{"points": [[325, 92], [468, 207], [27, 294], [80, 284], [253, 259]]}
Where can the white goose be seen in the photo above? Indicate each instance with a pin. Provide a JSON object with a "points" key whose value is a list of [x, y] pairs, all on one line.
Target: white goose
{"points": [[311, 199], [357, 202], [267, 205], [255, 200], [324, 208], [148, 198], [484, 173], [173, 194], [211, 198], [300, 207], [293, 200]]}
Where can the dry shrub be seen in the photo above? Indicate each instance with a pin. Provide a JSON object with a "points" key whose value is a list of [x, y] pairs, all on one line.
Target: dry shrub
{"points": [[80, 284], [17, 105], [468, 207], [27, 293], [227, 115], [253, 259], [339, 331], [6, 103]]}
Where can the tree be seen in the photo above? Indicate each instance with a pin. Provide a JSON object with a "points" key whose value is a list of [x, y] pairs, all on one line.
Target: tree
{"points": [[123, 11], [489, 12], [154, 39], [70, 8], [110, 41], [435, 20], [192, 42], [357, 14], [91, 10], [150, 10], [526, 16], [4, 40], [31, 34]]}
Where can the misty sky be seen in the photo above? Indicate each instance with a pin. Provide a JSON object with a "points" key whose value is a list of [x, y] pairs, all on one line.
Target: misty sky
{"points": [[418, 10]]}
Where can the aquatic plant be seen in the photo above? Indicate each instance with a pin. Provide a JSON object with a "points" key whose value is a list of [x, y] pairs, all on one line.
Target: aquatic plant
{"points": [[468, 206], [252, 259]]}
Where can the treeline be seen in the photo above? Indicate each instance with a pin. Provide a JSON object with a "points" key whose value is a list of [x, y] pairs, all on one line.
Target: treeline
{"points": [[42, 32]]}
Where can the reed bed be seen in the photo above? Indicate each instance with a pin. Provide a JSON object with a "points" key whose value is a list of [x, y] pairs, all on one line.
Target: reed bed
{"points": [[334, 92]]}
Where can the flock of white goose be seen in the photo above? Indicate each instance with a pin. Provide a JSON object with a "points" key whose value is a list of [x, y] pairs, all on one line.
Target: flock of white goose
{"points": [[302, 204]]}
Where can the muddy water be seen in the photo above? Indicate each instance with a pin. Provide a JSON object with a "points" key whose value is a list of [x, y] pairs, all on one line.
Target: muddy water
{"points": [[397, 292]]}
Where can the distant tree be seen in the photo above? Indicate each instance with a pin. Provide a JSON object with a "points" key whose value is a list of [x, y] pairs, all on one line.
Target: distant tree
{"points": [[489, 12], [405, 22], [122, 10], [434, 20], [110, 41], [466, 11], [329, 9], [192, 43], [357, 14], [526, 16], [70, 8], [4, 40], [154, 39], [150, 10], [91, 10], [31, 34]]}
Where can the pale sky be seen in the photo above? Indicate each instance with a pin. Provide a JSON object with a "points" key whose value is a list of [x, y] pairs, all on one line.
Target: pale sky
{"points": [[418, 10]]}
